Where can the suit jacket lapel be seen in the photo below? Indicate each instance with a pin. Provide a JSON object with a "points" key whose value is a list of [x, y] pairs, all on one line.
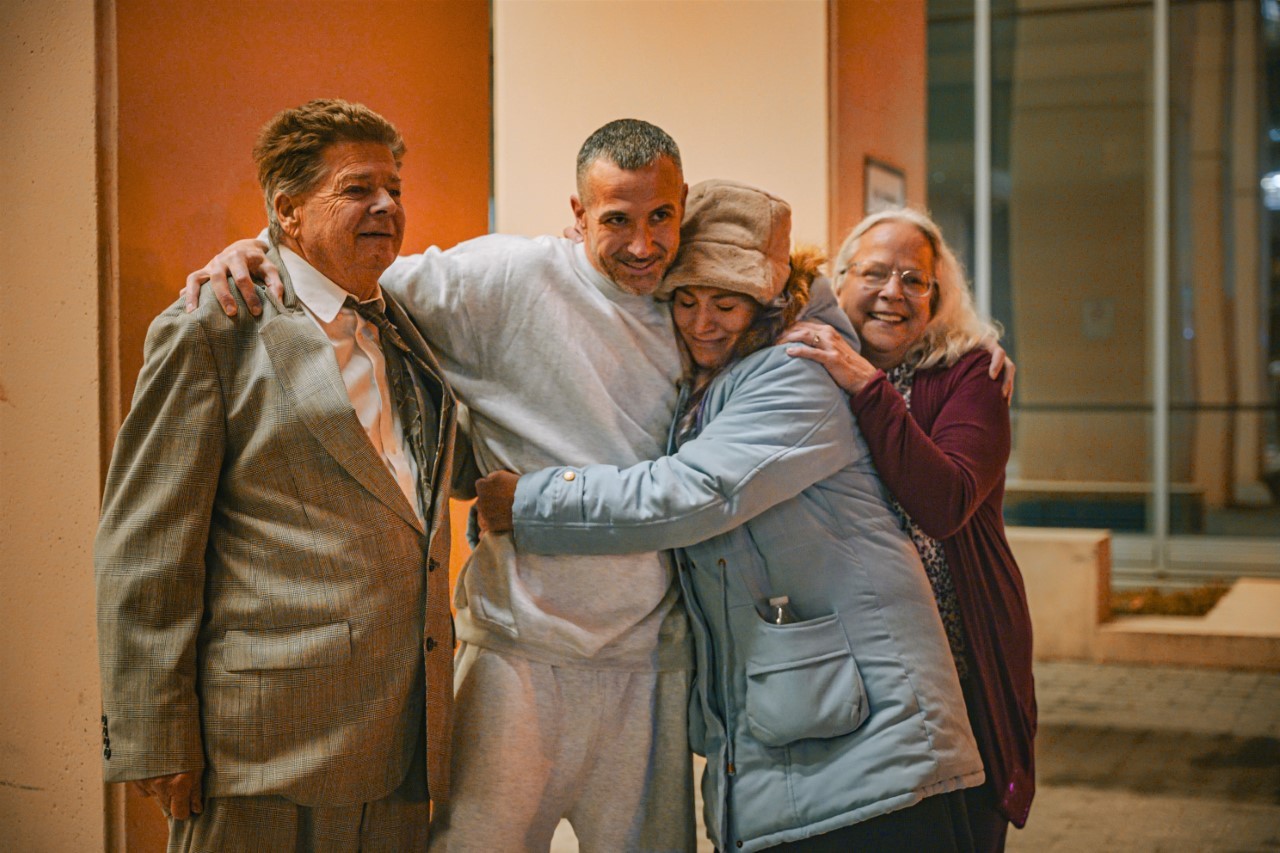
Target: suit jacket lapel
{"points": [[303, 361]]}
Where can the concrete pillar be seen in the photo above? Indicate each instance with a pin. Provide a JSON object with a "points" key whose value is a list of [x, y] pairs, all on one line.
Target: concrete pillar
{"points": [[51, 793]]}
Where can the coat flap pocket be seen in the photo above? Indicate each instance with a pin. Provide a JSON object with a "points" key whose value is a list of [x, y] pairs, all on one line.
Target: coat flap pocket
{"points": [[288, 648], [754, 668], [781, 646], [802, 682]]}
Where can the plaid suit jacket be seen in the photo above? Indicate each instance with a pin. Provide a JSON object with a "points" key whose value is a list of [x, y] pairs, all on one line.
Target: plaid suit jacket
{"points": [[270, 608]]}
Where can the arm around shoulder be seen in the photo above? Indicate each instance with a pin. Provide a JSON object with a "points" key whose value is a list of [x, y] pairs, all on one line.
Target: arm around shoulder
{"points": [[775, 426], [464, 298]]}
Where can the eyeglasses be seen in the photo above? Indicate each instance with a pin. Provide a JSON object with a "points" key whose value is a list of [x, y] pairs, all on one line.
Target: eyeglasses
{"points": [[875, 276]]}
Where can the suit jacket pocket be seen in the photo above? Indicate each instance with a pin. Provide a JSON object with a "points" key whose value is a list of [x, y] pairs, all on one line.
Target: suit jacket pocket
{"points": [[802, 682], [288, 648]]}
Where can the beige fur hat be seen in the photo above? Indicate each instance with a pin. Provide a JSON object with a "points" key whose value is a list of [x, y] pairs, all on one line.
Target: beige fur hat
{"points": [[735, 237]]}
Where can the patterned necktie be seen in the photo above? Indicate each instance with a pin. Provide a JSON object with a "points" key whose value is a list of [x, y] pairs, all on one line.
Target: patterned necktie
{"points": [[418, 413]]}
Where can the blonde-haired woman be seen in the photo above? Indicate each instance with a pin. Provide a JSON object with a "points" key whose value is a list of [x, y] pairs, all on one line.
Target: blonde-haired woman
{"points": [[938, 430]]}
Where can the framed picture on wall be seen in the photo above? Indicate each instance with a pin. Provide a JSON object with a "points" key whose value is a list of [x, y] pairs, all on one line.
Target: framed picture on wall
{"points": [[885, 186]]}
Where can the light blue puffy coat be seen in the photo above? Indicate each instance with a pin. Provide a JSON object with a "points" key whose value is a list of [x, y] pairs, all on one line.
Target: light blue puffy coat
{"points": [[854, 710]]}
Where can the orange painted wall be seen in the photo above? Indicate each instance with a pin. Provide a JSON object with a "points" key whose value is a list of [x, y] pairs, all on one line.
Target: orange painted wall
{"points": [[878, 106], [197, 80]]}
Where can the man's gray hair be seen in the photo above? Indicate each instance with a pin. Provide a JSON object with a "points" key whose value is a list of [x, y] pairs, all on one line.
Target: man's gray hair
{"points": [[628, 143]]}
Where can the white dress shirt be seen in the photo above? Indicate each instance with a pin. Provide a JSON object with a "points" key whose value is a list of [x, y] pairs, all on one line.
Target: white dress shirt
{"points": [[357, 347]]}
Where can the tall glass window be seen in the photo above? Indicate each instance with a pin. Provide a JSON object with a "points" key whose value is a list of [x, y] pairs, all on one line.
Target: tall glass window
{"points": [[1074, 227]]}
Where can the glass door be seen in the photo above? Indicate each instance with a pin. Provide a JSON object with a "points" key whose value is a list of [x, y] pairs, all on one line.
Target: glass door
{"points": [[1130, 260]]}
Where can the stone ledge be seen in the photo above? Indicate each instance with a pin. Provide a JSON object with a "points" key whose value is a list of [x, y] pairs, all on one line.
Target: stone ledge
{"points": [[1067, 573], [1241, 632], [1068, 579], [1135, 639]]}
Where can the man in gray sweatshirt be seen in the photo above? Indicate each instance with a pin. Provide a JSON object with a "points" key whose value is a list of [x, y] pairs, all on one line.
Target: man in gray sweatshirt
{"points": [[572, 672]]}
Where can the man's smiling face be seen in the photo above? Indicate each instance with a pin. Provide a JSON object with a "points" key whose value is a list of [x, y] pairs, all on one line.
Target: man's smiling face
{"points": [[351, 225], [630, 221]]}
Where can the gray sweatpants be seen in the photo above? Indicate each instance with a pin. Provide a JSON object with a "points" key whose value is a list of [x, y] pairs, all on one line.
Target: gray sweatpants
{"points": [[533, 743]]}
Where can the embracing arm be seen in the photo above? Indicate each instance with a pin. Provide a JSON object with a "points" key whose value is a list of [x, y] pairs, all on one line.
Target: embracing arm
{"points": [[466, 300], [782, 427], [841, 355], [239, 264], [427, 285], [942, 477], [149, 559], [439, 290], [462, 300]]}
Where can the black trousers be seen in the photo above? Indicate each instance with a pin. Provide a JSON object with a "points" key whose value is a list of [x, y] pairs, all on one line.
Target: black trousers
{"points": [[987, 823], [937, 824]]}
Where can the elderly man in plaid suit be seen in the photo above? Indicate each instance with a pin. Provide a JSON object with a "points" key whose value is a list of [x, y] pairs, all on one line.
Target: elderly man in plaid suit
{"points": [[276, 643]]}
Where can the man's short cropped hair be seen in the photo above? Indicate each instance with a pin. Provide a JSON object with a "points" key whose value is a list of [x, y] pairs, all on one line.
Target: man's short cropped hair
{"points": [[290, 147], [628, 143]]}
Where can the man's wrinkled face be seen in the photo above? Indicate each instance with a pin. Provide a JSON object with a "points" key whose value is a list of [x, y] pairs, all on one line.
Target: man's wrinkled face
{"points": [[351, 225], [630, 221]]}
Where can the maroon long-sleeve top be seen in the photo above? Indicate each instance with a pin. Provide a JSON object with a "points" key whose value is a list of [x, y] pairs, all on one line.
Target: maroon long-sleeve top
{"points": [[944, 461]]}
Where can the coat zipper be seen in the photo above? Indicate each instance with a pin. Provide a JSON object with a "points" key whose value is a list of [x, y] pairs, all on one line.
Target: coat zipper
{"points": [[726, 686]]}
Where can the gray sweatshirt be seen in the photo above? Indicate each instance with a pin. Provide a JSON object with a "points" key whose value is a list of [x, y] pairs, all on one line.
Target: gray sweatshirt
{"points": [[556, 366]]}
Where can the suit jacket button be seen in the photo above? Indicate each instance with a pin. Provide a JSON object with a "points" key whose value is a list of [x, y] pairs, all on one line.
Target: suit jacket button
{"points": [[433, 564], [569, 476], [431, 644]]}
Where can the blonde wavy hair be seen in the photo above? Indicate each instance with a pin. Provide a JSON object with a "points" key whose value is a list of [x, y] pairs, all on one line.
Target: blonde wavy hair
{"points": [[954, 326]]}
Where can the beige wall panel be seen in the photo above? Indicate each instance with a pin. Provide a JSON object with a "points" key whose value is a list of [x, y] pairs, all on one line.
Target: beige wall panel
{"points": [[741, 86], [1084, 447], [50, 783], [1213, 351]]}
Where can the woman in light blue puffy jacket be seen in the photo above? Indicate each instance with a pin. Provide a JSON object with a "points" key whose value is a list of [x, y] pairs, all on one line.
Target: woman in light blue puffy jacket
{"points": [[826, 701]]}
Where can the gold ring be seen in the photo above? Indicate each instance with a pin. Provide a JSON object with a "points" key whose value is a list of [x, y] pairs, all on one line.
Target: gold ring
{"points": [[817, 342]]}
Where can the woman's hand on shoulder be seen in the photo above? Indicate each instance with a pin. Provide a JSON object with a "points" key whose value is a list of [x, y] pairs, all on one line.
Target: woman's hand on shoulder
{"points": [[823, 344]]}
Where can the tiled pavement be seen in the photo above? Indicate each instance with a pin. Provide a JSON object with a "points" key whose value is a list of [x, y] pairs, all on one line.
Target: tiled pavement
{"points": [[1148, 759], [1233, 703]]}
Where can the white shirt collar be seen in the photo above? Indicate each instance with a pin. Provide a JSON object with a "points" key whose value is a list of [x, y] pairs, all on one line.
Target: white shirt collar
{"points": [[314, 289]]}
